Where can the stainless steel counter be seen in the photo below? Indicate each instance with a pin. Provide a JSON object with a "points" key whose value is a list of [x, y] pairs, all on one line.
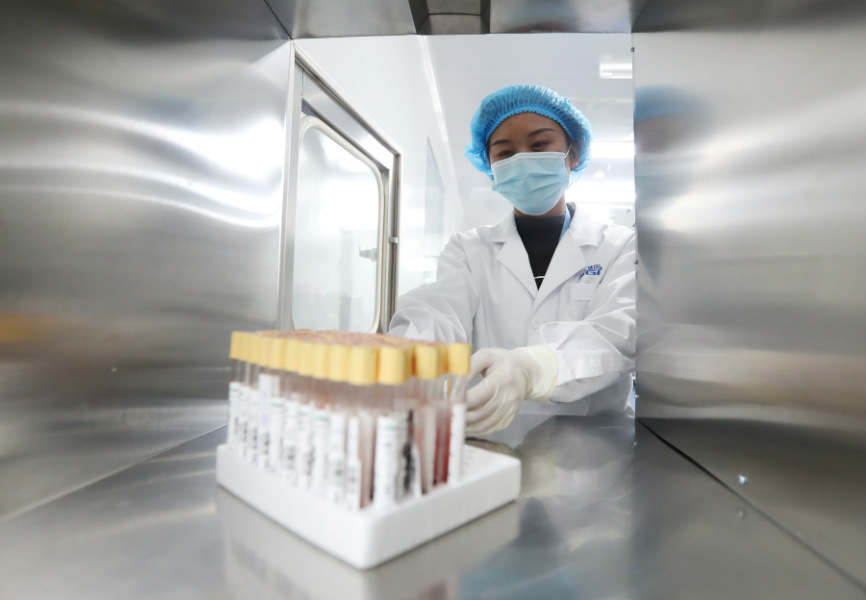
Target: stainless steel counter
{"points": [[607, 510]]}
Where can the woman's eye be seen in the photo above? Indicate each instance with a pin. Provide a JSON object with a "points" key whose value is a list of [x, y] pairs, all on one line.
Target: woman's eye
{"points": [[504, 153], [539, 145]]}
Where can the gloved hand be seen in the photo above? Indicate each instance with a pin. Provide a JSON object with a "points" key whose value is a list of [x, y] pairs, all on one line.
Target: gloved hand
{"points": [[510, 376]]}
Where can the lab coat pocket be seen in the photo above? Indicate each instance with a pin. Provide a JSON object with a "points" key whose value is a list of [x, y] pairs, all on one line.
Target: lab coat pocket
{"points": [[574, 301]]}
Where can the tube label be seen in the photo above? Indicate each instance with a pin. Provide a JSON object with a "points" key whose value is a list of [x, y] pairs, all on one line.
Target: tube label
{"points": [[321, 424], [234, 427], [336, 458], [304, 465], [276, 418], [386, 460], [251, 429], [353, 464], [290, 438]]}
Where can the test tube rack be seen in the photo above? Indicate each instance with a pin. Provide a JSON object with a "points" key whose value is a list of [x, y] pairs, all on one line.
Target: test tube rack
{"points": [[374, 535]]}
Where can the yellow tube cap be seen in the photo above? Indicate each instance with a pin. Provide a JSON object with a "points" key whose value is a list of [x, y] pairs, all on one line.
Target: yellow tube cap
{"points": [[428, 361], [362, 365], [234, 349], [392, 365], [253, 348], [292, 354], [338, 362], [458, 358], [305, 358], [320, 360], [278, 353]]}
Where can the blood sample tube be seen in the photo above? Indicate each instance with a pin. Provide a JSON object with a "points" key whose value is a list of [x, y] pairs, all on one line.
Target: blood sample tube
{"points": [[458, 378], [276, 402], [303, 462], [321, 417], [360, 427], [292, 385], [338, 372], [429, 370], [237, 390]]}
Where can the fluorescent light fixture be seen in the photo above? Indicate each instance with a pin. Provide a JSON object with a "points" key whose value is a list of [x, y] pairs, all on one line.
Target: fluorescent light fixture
{"points": [[612, 149], [614, 69]]}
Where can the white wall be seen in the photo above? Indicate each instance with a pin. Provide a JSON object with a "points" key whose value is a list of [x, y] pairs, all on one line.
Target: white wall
{"points": [[391, 81]]}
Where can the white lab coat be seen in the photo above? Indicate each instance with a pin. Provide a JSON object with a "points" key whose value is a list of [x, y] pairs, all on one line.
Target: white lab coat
{"points": [[584, 310]]}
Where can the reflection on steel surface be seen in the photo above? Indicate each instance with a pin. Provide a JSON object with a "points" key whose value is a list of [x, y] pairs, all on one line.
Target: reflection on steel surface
{"points": [[262, 559], [528, 16], [141, 190], [660, 528], [823, 494], [750, 223], [750, 218], [340, 18]]}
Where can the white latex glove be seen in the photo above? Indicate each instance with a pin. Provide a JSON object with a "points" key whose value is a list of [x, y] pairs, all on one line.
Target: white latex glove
{"points": [[510, 376]]}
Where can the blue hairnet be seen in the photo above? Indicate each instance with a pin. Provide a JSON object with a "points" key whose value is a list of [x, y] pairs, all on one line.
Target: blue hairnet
{"points": [[516, 99]]}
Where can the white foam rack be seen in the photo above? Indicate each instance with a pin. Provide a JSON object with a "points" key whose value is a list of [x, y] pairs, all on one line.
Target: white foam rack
{"points": [[374, 535]]}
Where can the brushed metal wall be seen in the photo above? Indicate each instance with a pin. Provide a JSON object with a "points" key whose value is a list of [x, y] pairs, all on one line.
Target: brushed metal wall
{"points": [[752, 276], [345, 18], [142, 151]]}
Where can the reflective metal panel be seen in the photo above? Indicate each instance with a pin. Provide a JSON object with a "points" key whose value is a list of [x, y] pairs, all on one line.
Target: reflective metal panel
{"points": [[342, 18], [673, 15], [695, 539], [810, 481], [141, 192], [750, 217], [606, 511], [582, 16]]}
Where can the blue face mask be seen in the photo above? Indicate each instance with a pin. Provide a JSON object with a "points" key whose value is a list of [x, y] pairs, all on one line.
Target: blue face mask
{"points": [[532, 181]]}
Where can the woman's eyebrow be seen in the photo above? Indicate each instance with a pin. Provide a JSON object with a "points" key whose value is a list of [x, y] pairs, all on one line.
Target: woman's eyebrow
{"points": [[532, 133]]}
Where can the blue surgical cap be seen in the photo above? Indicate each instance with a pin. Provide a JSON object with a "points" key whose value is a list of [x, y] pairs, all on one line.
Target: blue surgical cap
{"points": [[516, 99]]}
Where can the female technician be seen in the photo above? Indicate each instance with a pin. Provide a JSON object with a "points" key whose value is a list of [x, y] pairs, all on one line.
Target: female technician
{"points": [[547, 294]]}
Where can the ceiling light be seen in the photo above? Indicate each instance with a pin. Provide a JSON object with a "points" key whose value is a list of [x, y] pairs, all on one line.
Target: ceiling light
{"points": [[614, 69]]}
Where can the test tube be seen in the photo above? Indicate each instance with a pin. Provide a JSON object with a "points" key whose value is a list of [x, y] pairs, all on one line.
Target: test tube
{"points": [[443, 420], [251, 406], [360, 428], [276, 402], [303, 464], [393, 468], [321, 417], [292, 392], [237, 389], [338, 372], [429, 370], [268, 384], [458, 369]]}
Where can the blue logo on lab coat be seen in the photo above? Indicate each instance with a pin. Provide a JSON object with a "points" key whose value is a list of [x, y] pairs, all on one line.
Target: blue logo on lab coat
{"points": [[594, 270]]}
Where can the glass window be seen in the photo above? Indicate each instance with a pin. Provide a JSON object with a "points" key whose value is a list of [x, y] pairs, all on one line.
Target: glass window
{"points": [[336, 250]]}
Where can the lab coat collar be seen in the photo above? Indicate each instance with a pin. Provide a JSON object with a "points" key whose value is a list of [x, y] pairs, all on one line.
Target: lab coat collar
{"points": [[513, 255], [584, 230], [569, 258], [503, 231]]}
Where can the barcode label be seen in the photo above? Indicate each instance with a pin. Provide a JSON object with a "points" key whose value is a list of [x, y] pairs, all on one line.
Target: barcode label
{"points": [[385, 469]]}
